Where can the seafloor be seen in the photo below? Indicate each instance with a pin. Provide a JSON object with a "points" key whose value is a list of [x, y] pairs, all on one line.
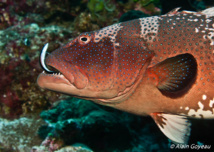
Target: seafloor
{"points": [[37, 120]]}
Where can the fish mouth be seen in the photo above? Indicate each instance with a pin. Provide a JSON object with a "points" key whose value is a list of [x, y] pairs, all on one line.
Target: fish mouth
{"points": [[70, 80], [52, 78]]}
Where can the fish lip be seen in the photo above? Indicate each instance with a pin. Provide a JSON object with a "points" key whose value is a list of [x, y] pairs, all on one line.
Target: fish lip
{"points": [[61, 72], [46, 78], [66, 77], [55, 82]]}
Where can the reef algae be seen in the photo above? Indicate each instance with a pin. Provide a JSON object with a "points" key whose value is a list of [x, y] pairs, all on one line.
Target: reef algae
{"points": [[103, 129], [75, 148], [19, 61], [100, 128], [20, 134]]}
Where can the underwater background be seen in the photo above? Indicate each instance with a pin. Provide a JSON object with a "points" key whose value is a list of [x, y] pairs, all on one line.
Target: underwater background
{"points": [[37, 120]]}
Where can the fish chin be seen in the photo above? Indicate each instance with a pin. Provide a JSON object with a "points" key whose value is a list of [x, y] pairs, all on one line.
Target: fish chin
{"points": [[58, 83]]}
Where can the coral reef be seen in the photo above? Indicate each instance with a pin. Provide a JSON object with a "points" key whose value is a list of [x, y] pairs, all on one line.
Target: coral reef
{"points": [[15, 12], [148, 7], [20, 134], [74, 148], [22, 36], [25, 26], [102, 129], [103, 12], [19, 61]]}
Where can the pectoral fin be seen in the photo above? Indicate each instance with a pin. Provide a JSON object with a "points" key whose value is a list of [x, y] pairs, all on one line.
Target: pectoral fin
{"points": [[174, 74], [175, 127]]}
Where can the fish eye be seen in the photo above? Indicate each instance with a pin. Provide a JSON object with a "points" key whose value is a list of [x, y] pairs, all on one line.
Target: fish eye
{"points": [[84, 39]]}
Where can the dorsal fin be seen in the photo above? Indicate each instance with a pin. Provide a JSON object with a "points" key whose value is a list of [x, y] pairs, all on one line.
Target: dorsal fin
{"points": [[174, 74], [174, 11]]}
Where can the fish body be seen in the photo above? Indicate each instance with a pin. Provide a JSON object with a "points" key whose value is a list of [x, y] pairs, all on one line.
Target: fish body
{"points": [[160, 66]]}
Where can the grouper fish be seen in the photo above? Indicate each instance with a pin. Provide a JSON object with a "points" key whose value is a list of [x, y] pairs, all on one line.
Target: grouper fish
{"points": [[162, 66]]}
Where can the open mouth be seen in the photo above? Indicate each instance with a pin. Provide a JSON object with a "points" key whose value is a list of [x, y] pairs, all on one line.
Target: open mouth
{"points": [[58, 71], [50, 71]]}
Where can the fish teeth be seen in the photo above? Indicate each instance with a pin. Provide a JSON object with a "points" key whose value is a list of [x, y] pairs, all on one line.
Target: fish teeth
{"points": [[56, 74]]}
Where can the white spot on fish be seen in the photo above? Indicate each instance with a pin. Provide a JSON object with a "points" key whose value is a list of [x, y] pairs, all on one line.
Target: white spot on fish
{"points": [[149, 25], [199, 15], [187, 108], [196, 30], [211, 35], [117, 44], [109, 31], [200, 112], [193, 20], [208, 20], [204, 97], [211, 103], [200, 105]]}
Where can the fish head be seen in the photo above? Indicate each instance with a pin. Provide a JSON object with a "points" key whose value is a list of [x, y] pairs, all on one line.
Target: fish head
{"points": [[80, 68], [96, 65]]}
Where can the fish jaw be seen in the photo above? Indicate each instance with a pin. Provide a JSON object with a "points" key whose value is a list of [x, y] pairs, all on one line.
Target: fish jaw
{"points": [[54, 81], [71, 72], [61, 81], [64, 82], [58, 83]]}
